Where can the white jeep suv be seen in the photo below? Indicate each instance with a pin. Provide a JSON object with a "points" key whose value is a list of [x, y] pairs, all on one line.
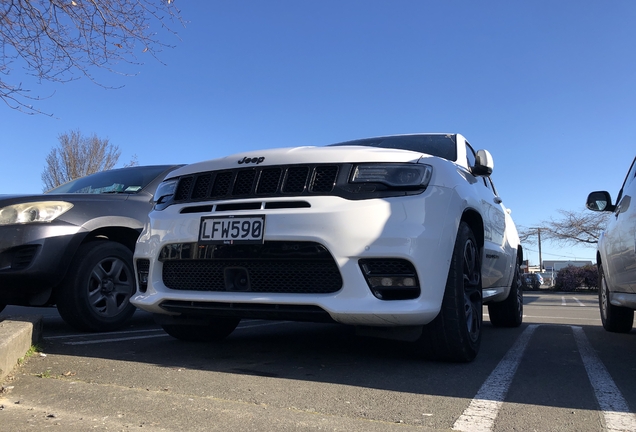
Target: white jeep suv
{"points": [[402, 236]]}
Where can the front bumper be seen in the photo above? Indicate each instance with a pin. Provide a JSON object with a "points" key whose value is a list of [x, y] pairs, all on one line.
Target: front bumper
{"points": [[34, 259], [420, 229]]}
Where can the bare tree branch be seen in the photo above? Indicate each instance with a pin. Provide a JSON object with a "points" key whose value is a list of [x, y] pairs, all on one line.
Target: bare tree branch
{"points": [[54, 40], [573, 228]]}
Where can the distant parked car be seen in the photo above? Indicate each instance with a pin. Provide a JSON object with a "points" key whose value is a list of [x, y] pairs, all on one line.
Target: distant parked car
{"points": [[616, 257], [73, 245], [532, 281]]}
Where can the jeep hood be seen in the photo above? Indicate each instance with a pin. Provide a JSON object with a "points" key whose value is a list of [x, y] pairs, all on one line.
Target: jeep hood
{"points": [[302, 155]]}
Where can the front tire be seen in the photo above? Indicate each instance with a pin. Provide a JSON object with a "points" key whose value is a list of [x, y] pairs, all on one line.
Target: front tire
{"points": [[95, 295], [509, 313], [455, 334], [615, 319]]}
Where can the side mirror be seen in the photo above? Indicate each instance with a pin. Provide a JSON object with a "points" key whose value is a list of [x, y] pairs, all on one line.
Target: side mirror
{"points": [[483, 164], [600, 201]]}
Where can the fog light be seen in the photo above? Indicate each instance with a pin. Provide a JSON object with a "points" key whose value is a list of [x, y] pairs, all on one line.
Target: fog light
{"points": [[391, 278], [392, 281]]}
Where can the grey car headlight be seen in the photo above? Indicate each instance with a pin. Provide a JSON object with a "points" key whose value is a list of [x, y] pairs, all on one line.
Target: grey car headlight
{"points": [[394, 175], [41, 211]]}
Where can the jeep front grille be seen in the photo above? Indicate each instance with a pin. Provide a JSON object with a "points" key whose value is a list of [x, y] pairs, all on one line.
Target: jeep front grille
{"points": [[257, 182], [272, 267]]}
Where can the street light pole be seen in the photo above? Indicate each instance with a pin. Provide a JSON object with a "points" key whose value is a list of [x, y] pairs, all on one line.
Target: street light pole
{"points": [[539, 239], [540, 260]]}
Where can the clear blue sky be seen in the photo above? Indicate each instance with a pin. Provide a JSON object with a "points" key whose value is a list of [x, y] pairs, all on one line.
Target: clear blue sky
{"points": [[548, 87]]}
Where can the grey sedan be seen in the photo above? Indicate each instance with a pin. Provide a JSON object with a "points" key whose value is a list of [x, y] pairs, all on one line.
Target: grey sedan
{"points": [[72, 246]]}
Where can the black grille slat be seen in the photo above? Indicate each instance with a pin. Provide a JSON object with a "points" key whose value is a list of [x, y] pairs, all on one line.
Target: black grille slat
{"points": [[269, 180], [201, 186], [183, 190], [296, 179], [244, 182], [222, 184], [324, 179]]}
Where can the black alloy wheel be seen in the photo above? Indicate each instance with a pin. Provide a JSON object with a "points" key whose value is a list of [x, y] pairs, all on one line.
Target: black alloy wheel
{"points": [[509, 313], [95, 295], [615, 319], [455, 334]]}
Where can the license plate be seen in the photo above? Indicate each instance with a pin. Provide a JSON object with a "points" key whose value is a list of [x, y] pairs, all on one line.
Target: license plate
{"points": [[232, 229]]}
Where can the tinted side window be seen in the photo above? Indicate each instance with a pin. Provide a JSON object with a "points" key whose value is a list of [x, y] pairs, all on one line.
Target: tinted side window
{"points": [[628, 179], [470, 155]]}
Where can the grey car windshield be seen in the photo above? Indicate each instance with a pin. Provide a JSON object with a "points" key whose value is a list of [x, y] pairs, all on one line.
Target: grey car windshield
{"points": [[443, 146], [123, 180]]}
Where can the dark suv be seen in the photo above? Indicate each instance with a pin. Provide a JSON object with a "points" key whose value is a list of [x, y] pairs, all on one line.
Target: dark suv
{"points": [[532, 281], [73, 245]]}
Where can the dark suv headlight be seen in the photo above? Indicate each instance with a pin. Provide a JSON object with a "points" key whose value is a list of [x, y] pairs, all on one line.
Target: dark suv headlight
{"points": [[393, 175]]}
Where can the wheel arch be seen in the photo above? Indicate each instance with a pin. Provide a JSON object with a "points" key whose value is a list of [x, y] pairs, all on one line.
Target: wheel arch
{"points": [[476, 224], [123, 235]]}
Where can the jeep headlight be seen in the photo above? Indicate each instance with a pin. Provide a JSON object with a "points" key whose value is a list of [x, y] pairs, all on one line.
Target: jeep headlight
{"points": [[394, 175], [42, 211], [165, 191]]}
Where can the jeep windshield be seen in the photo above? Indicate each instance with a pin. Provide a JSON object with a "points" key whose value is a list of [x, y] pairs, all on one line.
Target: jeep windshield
{"points": [[123, 180], [440, 145]]}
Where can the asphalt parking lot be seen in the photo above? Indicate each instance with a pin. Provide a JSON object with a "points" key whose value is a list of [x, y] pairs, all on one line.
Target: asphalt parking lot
{"points": [[550, 374]]}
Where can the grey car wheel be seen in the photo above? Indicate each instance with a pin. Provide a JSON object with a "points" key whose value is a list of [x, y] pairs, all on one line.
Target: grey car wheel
{"points": [[95, 295]]}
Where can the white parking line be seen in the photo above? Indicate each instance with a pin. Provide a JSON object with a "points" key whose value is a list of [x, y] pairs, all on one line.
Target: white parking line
{"points": [[98, 341], [482, 411], [562, 301], [543, 317], [578, 301], [72, 336], [618, 418]]}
